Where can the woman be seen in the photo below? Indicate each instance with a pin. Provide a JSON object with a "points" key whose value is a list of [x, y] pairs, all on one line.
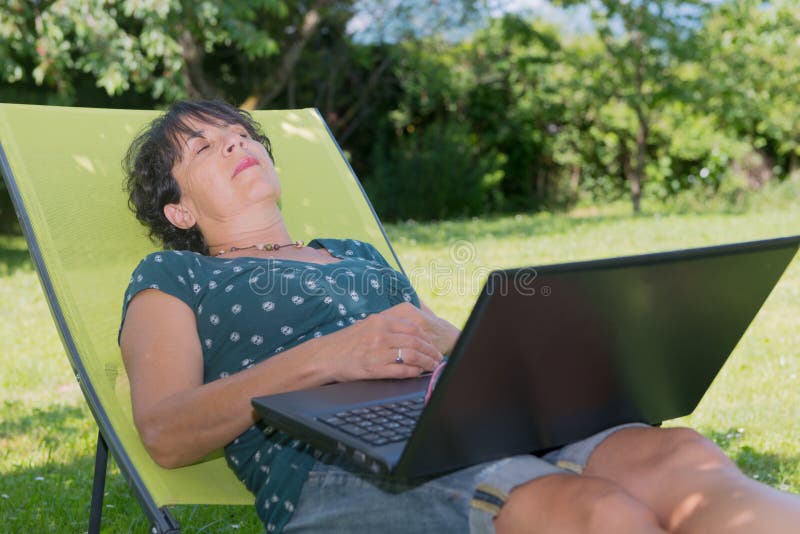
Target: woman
{"points": [[234, 309]]}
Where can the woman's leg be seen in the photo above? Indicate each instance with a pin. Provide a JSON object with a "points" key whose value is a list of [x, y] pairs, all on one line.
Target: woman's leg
{"points": [[566, 501], [575, 504], [689, 483], [530, 494]]}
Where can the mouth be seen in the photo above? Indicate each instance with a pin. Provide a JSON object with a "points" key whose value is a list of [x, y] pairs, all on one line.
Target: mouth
{"points": [[245, 163]]}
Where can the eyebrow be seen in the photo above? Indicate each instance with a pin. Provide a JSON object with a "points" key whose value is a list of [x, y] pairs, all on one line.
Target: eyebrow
{"points": [[196, 134], [201, 134]]}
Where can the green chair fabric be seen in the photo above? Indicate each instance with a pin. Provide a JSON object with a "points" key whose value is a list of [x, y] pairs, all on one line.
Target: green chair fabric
{"points": [[62, 166]]}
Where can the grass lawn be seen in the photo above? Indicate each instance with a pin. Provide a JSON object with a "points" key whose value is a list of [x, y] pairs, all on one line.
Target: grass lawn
{"points": [[47, 435]]}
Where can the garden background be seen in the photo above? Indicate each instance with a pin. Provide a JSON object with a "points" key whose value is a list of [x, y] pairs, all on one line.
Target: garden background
{"points": [[563, 131]]}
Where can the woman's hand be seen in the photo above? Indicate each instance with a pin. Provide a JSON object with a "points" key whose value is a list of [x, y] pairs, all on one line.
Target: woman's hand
{"points": [[370, 348], [438, 331], [443, 333]]}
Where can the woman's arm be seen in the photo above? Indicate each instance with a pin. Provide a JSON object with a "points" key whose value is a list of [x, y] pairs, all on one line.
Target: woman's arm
{"points": [[181, 420]]}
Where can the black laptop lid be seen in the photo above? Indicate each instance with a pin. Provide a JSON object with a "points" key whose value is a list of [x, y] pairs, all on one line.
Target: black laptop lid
{"points": [[553, 354]]}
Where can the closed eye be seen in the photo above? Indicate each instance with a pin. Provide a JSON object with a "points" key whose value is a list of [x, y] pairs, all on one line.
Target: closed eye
{"points": [[201, 149]]}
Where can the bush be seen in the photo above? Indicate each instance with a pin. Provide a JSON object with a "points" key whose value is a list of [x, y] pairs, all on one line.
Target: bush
{"points": [[8, 218], [432, 174]]}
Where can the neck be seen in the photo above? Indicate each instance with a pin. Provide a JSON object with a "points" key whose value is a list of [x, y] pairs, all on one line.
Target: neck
{"points": [[245, 233]]}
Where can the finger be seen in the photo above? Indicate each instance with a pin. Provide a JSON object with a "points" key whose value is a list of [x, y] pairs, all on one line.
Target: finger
{"points": [[423, 318], [414, 358], [406, 325], [424, 307], [419, 360], [400, 371], [381, 324], [406, 311], [420, 346]]}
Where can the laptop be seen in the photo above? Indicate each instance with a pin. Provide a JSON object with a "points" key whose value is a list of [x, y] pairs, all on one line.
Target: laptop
{"points": [[551, 355]]}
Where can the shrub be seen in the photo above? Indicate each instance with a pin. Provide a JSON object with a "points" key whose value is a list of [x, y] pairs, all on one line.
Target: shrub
{"points": [[433, 173]]}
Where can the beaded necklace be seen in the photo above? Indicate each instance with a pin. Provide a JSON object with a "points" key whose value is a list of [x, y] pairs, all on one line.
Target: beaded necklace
{"points": [[269, 247]]}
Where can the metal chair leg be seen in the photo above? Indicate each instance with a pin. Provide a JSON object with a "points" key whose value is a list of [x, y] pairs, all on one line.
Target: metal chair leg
{"points": [[99, 485]]}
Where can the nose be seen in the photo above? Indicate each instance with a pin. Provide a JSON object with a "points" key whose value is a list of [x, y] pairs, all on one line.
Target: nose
{"points": [[232, 140]]}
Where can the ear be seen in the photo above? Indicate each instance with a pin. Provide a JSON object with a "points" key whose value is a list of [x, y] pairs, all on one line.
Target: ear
{"points": [[179, 216]]}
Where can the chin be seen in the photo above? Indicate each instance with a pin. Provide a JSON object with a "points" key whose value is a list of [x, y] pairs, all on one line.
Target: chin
{"points": [[263, 190]]}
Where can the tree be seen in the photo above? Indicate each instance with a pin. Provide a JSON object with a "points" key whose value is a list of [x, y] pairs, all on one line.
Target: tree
{"points": [[171, 48], [166, 48], [644, 43], [485, 104], [752, 76], [514, 104]]}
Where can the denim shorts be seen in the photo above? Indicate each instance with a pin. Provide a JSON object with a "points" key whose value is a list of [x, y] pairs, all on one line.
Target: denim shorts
{"points": [[337, 500]]}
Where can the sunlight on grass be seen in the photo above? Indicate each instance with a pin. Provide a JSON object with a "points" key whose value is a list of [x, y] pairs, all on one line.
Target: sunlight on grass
{"points": [[543, 239], [47, 435]]}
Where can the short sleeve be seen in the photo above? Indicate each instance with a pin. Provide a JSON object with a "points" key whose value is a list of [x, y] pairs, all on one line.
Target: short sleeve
{"points": [[400, 286], [372, 253], [352, 248], [175, 273]]}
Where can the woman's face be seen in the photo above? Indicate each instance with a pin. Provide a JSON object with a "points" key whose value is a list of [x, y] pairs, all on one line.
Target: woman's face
{"points": [[221, 172]]}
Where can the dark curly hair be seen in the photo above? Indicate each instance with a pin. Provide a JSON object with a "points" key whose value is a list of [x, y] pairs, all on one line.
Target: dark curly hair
{"points": [[148, 166]]}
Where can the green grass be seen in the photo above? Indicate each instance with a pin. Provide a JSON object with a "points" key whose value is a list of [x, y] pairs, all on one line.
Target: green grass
{"points": [[47, 436]]}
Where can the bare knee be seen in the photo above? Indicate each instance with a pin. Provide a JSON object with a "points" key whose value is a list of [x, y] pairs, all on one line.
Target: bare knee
{"points": [[606, 507], [684, 448], [652, 456], [566, 503]]}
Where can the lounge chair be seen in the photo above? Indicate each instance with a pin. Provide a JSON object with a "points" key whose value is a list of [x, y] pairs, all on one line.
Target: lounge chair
{"points": [[62, 169]]}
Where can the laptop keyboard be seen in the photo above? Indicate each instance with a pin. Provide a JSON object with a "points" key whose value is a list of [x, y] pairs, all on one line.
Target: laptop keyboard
{"points": [[380, 424]]}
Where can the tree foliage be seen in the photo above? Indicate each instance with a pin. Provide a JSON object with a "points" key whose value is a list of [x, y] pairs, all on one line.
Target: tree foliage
{"points": [[446, 108], [752, 76], [644, 43], [167, 48]]}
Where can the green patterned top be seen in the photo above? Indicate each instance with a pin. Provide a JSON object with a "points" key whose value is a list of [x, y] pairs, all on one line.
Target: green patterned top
{"points": [[248, 309]]}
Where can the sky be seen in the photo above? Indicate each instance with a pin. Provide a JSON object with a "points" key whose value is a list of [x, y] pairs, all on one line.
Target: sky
{"points": [[370, 21], [573, 21]]}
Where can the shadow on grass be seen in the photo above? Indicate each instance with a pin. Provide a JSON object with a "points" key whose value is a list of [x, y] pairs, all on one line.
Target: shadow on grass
{"points": [[521, 225], [496, 227], [13, 255], [56, 497], [60, 419], [48, 488], [766, 467], [46, 476], [47, 498]]}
